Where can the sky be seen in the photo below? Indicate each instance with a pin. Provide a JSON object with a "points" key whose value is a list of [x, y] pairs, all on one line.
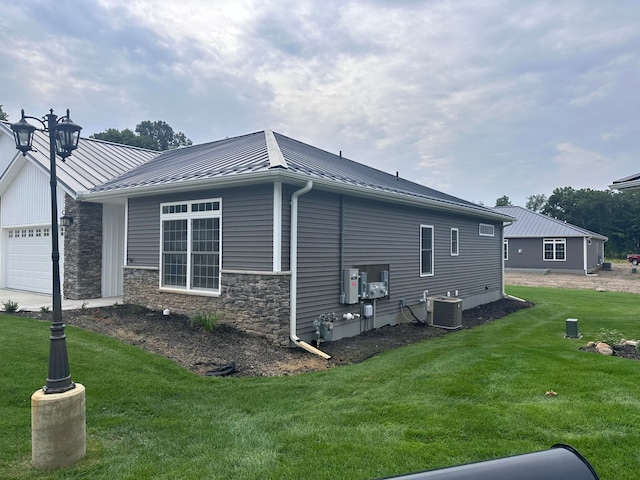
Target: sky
{"points": [[478, 99]]}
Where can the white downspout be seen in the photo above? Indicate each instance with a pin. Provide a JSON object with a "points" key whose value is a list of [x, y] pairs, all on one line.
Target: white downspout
{"points": [[293, 266]]}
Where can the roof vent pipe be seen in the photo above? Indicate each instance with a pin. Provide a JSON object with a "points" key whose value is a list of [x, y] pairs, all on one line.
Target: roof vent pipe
{"points": [[293, 265]]}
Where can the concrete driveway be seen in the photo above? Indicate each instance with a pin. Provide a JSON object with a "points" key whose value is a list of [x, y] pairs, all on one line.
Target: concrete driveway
{"points": [[33, 302]]}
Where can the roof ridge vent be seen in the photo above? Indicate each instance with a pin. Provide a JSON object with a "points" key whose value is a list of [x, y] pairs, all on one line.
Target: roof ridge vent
{"points": [[276, 159]]}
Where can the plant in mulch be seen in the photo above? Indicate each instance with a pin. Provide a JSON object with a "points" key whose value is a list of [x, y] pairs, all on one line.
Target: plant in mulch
{"points": [[10, 306], [207, 320], [610, 336]]}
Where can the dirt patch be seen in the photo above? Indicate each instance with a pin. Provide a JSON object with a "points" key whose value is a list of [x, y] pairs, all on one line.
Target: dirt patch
{"points": [[623, 277], [201, 351]]}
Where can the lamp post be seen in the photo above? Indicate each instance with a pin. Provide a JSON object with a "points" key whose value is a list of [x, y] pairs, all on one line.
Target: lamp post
{"points": [[58, 410], [63, 139]]}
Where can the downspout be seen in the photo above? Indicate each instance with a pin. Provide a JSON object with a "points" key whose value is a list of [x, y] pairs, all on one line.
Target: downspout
{"points": [[504, 224], [293, 266]]}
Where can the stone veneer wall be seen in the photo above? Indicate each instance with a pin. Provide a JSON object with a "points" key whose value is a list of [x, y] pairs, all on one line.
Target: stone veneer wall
{"points": [[252, 302], [83, 250]]}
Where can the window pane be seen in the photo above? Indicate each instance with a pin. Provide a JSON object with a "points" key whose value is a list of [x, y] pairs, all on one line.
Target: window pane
{"points": [[174, 268], [205, 258]]}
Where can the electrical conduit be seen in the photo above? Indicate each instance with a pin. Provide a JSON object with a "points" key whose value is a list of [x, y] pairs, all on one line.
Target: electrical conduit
{"points": [[293, 265]]}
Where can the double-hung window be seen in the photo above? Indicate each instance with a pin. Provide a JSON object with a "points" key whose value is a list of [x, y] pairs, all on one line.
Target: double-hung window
{"points": [[191, 245], [554, 249], [426, 250], [455, 234]]}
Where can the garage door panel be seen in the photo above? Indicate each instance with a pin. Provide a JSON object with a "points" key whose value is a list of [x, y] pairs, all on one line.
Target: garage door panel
{"points": [[29, 260]]}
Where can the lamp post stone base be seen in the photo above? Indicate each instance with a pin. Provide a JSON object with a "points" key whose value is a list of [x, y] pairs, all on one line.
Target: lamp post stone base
{"points": [[58, 428]]}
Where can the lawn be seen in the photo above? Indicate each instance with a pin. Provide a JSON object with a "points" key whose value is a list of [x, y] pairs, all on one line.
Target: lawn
{"points": [[469, 396]]}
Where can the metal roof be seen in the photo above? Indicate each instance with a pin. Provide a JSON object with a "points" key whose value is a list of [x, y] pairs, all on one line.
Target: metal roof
{"points": [[532, 224], [269, 156], [91, 164]]}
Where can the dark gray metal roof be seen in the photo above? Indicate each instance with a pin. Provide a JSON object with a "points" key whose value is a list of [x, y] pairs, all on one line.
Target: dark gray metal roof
{"points": [[269, 156], [93, 163], [532, 224]]}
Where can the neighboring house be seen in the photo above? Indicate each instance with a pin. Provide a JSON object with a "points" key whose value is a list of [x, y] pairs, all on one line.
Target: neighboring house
{"points": [[632, 182], [539, 242], [92, 249], [276, 236]]}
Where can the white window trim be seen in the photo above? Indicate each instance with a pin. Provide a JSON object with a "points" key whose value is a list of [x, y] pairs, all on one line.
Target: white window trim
{"points": [[189, 215], [487, 226], [422, 273], [554, 242], [456, 252], [505, 249]]}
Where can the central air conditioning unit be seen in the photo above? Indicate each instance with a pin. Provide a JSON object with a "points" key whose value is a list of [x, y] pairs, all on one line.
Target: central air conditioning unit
{"points": [[444, 312]]}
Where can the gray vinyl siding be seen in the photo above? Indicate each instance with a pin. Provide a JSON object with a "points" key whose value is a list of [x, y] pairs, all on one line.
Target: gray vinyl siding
{"points": [[531, 255], [247, 227], [379, 233]]}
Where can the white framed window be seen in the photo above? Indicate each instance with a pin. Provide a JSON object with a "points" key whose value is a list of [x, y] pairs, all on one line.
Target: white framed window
{"points": [[505, 250], [554, 249], [455, 242], [191, 245], [486, 230], [426, 250]]}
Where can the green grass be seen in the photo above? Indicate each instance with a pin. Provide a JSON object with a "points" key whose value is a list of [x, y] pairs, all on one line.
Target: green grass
{"points": [[469, 396]]}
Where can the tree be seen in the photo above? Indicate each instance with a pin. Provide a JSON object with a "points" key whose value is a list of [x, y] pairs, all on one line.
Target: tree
{"points": [[503, 201], [156, 135], [536, 202], [3, 115]]}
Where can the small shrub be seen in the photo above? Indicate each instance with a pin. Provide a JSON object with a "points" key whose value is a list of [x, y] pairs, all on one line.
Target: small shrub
{"points": [[10, 306], [44, 309], [206, 320], [610, 337]]}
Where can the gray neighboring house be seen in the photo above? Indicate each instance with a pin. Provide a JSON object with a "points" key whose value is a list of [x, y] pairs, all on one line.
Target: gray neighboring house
{"points": [[275, 236], [539, 242], [92, 248]]}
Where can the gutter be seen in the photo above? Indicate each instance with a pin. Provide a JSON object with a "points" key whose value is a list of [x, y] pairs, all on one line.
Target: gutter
{"points": [[293, 266]]}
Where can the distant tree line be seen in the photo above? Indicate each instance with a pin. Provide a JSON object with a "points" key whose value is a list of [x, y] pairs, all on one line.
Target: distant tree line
{"points": [[157, 135], [615, 215]]}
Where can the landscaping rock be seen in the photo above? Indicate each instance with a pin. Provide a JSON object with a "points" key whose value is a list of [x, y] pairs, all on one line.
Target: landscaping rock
{"points": [[604, 349]]}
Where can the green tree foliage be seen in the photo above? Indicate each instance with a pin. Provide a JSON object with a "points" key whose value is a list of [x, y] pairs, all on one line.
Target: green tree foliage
{"points": [[3, 114], [536, 202], [503, 201], [614, 215], [156, 135]]}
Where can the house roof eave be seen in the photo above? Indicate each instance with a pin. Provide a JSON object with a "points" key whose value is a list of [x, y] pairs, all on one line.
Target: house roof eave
{"points": [[280, 174]]}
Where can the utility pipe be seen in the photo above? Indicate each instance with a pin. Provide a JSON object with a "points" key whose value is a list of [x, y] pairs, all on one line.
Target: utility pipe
{"points": [[293, 266]]}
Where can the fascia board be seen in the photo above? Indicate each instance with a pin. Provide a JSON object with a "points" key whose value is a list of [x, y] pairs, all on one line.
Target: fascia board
{"points": [[296, 178]]}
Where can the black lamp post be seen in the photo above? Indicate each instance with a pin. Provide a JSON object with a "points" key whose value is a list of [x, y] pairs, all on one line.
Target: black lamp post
{"points": [[63, 139]]}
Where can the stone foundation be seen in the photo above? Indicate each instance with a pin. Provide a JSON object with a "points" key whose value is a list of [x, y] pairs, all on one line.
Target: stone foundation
{"points": [[253, 302], [83, 250]]}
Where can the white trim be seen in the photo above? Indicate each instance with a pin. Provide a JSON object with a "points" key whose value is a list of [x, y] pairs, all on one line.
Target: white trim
{"points": [[430, 274], [457, 243], [277, 226], [125, 261]]}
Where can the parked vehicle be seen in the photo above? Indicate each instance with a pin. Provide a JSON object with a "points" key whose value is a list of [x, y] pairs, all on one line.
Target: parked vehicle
{"points": [[634, 258]]}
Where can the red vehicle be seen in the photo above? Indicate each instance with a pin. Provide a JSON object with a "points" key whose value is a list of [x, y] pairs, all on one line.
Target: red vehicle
{"points": [[634, 258]]}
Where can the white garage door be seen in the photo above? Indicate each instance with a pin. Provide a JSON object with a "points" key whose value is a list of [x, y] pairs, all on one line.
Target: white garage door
{"points": [[29, 259]]}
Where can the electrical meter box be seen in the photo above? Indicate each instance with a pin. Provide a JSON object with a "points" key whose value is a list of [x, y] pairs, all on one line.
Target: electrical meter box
{"points": [[350, 285]]}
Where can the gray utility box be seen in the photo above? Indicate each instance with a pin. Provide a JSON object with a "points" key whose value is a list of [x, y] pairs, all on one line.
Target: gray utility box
{"points": [[445, 312]]}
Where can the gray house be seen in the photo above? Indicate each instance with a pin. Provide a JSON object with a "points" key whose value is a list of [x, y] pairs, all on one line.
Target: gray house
{"points": [[296, 243], [539, 242]]}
